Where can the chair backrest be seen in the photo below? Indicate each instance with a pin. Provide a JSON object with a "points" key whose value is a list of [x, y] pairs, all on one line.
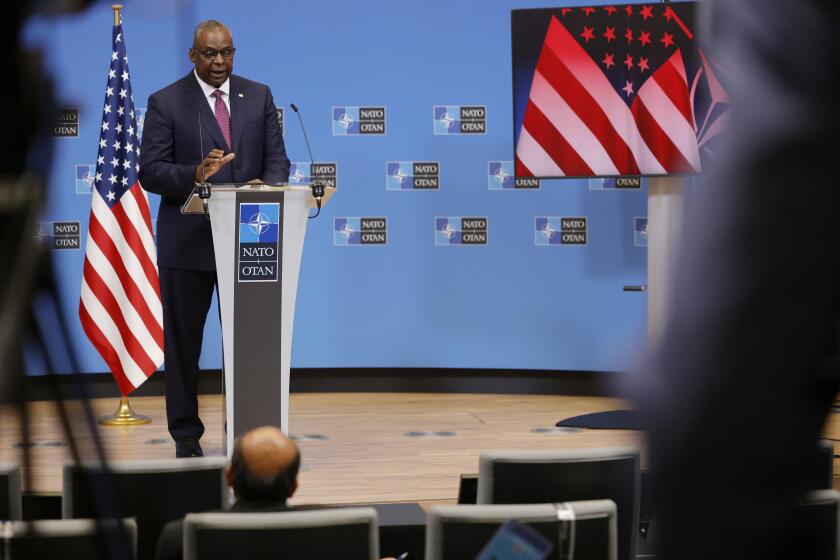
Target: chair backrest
{"points": [[454, 532], [817, 525], [62, 538], [10, 501], [525, 477], [595, 529], [154, 492], [348, 533], [820, 472]]}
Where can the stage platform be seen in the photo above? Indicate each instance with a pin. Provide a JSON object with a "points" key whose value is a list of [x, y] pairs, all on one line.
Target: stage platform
{"points": [[356, 447]]}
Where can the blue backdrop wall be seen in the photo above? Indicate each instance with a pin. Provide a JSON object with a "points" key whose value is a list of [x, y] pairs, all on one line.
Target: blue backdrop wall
{"points": [[522, 300]]}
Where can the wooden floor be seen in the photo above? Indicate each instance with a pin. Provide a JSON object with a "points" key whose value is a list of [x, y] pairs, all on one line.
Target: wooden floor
{"points": [[367, 457]]}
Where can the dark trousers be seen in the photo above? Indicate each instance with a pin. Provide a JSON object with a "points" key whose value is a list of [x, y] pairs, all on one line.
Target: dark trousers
{"points": [[186, 296]]}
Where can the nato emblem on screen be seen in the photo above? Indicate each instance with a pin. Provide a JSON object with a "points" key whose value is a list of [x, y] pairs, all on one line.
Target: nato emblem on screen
{"points": [[615, 183], [85, 175], [459, 230], [547, 231], [281, 120], [459, 119], [259, 242], [350, 231], [354, 121], [412, 175], [500, 177], [640, 231]]}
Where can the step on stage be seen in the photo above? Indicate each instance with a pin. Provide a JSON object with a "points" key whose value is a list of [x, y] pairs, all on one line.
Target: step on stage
{"points": [[356, 447]]}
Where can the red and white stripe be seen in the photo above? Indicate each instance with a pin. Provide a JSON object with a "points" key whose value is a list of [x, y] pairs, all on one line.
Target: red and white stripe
{"points": [[120, 306], [576, 124]]}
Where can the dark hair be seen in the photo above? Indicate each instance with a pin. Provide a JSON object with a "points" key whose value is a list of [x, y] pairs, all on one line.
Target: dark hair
{"points": [[249, 486]]}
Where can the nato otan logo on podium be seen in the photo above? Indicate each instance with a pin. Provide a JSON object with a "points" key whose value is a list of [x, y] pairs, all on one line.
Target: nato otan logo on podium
{"points": [[412, 175], [303, 173], [351, 231], [259, 242], [458, 230], [500, 177], [460, 119], [85, 176], [555, 230], [355, 121]]}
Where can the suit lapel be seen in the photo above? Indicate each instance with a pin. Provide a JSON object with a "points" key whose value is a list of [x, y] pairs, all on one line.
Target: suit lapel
{"points": [[238, 110], [195, 98]]}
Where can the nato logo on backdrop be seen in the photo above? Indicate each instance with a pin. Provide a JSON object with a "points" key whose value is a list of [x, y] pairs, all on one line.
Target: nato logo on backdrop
{"points": [[460, 119], [259, 242], [640, 233], [557, 230], [615, 183], [85, 174], [500, 177], [412, 175], [304, 172], [355, 121], [281, 120], [348, 231], [66, 123], [60, 235], [459, 230]]}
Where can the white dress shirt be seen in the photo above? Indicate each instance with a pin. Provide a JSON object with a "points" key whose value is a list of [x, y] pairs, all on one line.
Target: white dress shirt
{"points": [[209, 90]]}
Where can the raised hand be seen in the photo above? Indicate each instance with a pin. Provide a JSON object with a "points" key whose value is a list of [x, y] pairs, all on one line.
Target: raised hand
{"points": [[214, 161]]}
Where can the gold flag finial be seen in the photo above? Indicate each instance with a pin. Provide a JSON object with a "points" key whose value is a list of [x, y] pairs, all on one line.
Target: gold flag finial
{"points": [[116, 8]]}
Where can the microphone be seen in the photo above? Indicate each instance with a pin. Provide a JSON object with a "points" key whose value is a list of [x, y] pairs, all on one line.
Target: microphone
{"points": [[317, 187], [203, 187]]}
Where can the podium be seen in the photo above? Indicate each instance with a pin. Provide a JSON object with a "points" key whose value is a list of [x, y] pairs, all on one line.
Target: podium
{"points": [[258, 233]]}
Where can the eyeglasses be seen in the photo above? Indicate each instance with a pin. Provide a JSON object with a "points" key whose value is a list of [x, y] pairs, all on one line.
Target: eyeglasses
{"points": [[211, 54]]}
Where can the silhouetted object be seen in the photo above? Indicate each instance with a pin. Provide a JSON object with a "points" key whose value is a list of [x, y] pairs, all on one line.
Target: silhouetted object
{"points": [[736, 392], [61, 538], [10, 500], [153, 492]]}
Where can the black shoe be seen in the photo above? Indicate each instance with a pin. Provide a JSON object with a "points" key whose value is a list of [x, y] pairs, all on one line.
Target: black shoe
{"points": [[188, 447]]}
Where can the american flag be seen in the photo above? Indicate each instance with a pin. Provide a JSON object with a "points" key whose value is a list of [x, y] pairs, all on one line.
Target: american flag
{"points": [[621, 90], [120, 307]]}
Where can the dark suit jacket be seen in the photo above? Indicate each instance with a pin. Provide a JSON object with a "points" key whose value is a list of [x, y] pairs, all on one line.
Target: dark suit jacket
{"points": [[170, 152]]}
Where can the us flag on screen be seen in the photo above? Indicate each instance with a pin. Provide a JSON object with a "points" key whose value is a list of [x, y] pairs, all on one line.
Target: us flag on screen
{"points": [[120, 307], [620, 90]]}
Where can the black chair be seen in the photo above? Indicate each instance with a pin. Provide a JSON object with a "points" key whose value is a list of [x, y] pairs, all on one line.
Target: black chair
{"points": [[347, 533], [817, 525], [525, 477], [10, 501], [68, 539], [154, 492]]}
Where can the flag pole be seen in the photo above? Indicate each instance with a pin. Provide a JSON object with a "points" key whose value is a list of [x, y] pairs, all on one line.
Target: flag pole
{"points": [[124, 415]]}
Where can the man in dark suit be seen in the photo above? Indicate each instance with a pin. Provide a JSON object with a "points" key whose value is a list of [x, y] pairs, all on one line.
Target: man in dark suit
{"points": [[263, 474], [737, 391], [242, 135]]}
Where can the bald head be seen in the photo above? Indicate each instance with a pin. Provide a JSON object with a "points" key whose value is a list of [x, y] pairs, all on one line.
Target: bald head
{"points": [[264, 466]]}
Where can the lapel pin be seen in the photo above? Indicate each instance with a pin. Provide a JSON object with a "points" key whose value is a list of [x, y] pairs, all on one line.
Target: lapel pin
{"points": [[241, 94]]}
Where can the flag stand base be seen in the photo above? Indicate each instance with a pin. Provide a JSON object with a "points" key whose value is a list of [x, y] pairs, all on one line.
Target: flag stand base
{"points": [[124, 416]]}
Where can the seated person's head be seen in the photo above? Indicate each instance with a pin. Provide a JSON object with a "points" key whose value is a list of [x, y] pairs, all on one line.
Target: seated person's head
{"points": [[264, 466]]}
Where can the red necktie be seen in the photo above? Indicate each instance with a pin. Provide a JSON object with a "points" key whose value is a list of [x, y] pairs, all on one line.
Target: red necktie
{"points": [[223, 116]]}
